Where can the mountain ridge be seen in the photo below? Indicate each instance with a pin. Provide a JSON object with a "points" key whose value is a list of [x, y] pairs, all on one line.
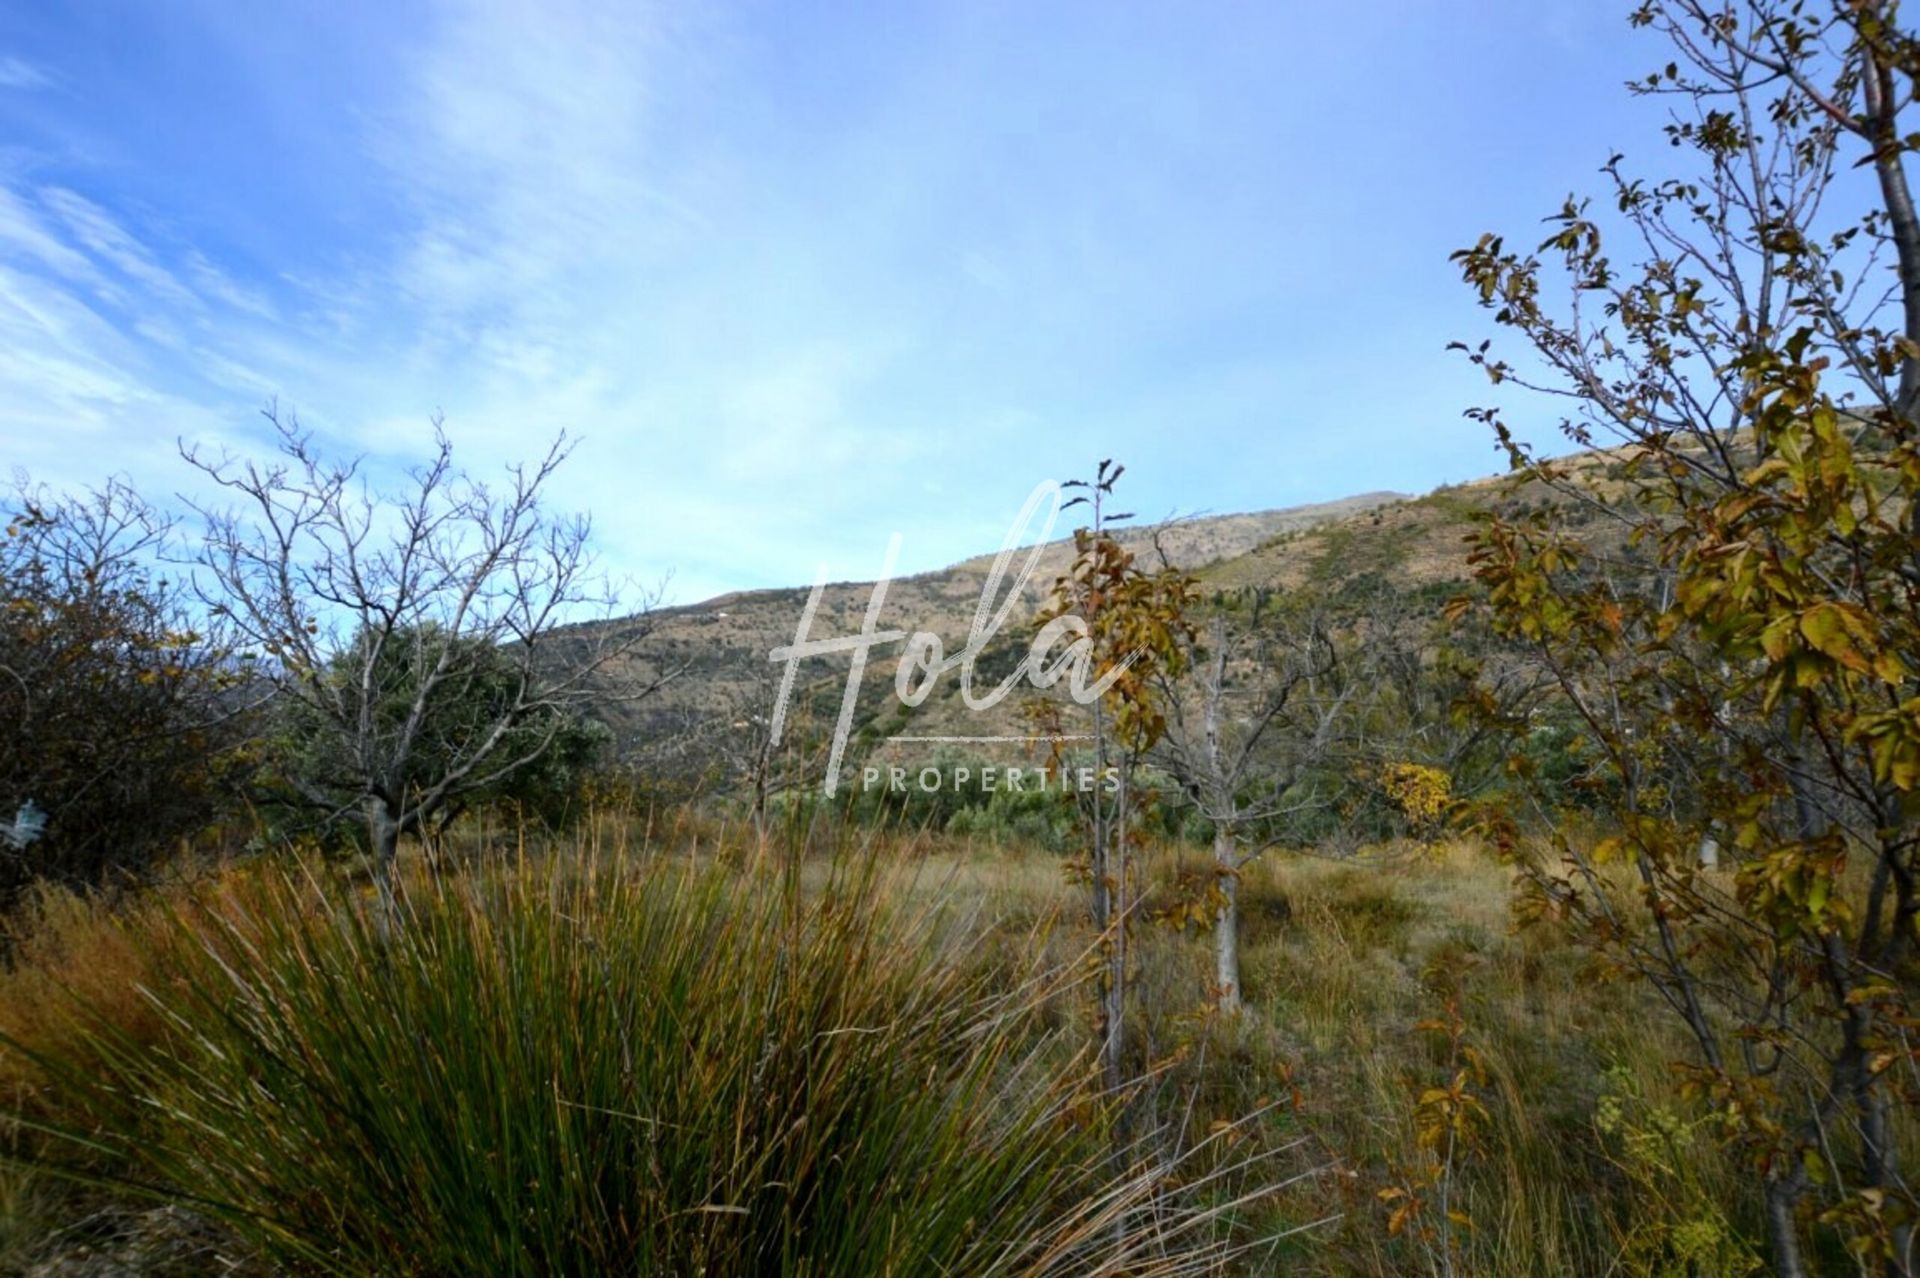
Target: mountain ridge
{"points": [[724, 685]]}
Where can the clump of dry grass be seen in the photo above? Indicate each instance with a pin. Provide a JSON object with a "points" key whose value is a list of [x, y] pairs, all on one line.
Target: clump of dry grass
{"points": [[72, 950], [639, 1064]]}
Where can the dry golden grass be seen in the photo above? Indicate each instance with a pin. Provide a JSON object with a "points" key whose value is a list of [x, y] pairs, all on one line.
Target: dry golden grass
{"points": [[72, 949], [1342, 960]]}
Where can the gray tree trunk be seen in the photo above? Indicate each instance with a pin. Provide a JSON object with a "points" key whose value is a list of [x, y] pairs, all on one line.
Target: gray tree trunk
{"points": [[1782, 1231], [1111, 990], [1114, 1014], [1226, 924], [383, 839]]}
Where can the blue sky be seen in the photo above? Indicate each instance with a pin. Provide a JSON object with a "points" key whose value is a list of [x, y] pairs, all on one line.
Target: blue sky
{"points": [[800, 274]]}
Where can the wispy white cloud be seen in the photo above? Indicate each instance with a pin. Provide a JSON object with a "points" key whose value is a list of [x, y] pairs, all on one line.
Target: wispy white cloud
{"points": [[18, 73], [24, 233], [787, 271], [522, 148], [215, 283], [108, 242]]}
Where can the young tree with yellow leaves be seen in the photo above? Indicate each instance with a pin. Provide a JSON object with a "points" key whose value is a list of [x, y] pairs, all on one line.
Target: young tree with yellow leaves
{"points": [[1135, 623], [1729, 600]]}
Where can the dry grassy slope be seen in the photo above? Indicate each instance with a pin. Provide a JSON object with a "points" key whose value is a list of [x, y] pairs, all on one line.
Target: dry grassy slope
{"points": [[1407, 543]]}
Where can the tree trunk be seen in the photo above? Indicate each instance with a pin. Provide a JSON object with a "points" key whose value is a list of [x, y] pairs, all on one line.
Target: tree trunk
{"points": [[1782, 1232], [383, 839], [1883, 110], [1880, 1151], [1110, 999], [1226, 924], [762, 785], [1114, 1014]]}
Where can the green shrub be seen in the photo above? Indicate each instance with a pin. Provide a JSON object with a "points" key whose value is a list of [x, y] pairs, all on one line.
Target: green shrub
{"points": [[119, 721]]}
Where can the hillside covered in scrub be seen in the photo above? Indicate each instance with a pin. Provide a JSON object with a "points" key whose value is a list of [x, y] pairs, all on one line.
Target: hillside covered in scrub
{"points": [[1346, 560]]}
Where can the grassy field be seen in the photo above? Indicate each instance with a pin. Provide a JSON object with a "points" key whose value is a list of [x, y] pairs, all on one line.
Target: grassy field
{"points": [[660, 1049]]}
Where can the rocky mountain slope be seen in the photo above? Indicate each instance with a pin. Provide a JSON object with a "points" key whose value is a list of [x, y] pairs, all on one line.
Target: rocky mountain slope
{"points": [[710, 714]]}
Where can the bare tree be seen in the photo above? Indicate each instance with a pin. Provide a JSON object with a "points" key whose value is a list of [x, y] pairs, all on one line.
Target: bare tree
{"points": [[721, 741], [745, 743], [370, 610], [1259, 711], [1438, 692]]}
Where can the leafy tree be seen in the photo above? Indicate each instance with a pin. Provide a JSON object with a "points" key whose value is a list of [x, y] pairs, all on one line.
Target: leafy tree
{"points": [[1134, 623], [118, 708], [1741, 649]]}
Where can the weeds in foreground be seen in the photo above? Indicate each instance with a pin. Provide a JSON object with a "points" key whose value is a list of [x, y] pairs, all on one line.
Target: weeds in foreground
{"points": [[1588, 1159], [629, 1066]]}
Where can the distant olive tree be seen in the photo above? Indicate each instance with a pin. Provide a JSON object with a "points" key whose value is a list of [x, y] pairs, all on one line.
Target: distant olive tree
{"points": [[420, 635], [556, 747]]}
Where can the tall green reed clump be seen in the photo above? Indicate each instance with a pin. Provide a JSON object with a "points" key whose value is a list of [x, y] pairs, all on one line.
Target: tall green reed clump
{"points": [[640, 1068]]}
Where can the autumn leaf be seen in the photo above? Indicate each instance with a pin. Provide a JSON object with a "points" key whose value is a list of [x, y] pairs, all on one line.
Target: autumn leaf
{"points": [[1839, 631]]}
